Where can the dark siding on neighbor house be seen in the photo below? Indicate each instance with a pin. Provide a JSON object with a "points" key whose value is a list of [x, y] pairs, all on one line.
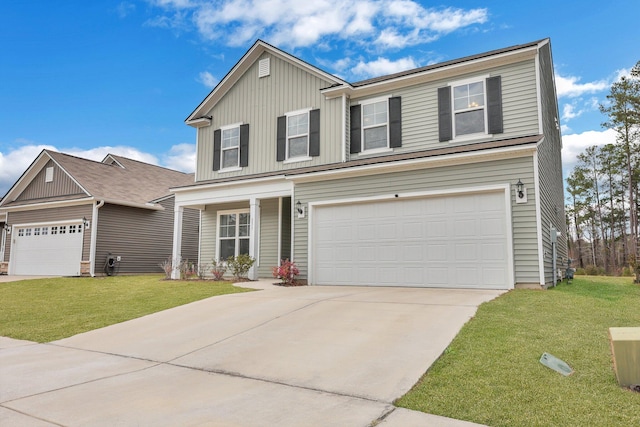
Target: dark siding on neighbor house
{"points": [[62, 185], [142, 237], [43, 216]]}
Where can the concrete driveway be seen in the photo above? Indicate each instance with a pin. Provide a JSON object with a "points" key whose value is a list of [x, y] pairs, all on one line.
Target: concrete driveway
{"points": [[308, 356]]}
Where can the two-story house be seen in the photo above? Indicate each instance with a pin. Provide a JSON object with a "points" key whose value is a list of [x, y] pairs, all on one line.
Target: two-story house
{"points": [[447, 175]]}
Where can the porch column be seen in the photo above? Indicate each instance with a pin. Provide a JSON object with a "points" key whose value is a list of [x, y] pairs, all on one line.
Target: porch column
{"points": [[254, 236], [176, 256]]}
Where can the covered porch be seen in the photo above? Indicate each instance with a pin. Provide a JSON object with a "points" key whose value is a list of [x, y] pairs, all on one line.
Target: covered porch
{"points": [[239, 218]]}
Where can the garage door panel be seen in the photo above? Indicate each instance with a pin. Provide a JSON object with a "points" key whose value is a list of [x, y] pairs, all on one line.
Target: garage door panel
{"points": [[47, 250], [447, 241]]}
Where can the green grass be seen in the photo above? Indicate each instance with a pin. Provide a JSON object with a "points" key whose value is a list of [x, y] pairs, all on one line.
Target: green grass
{"points": [[491, 374], [44, 310]]}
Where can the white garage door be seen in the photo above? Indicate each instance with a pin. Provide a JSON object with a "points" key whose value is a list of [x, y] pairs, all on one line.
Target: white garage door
{"points": [[47, 250], [456, 241]]}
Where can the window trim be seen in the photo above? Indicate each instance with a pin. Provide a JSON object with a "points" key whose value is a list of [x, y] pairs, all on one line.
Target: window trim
{"points": [[475, 135], [363, 149], [301, 158], [222, 150], [237, 236]]}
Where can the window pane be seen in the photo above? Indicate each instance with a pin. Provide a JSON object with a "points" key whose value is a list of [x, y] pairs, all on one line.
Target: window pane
{"points": [[476, 88], [298, 124], [298, 146], [244, 247], [470, 122], [374, 114], [375, 138], [244, 228], [230, 137], [230, 158], [227, 248], [228, 225], [468, 96]]}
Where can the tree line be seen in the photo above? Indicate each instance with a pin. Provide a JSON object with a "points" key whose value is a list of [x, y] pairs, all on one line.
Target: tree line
{"points": [[603, 190]]}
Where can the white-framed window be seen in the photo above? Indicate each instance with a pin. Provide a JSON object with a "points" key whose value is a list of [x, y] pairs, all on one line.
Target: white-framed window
{"points": [[230, 147], [63, 229], [298, 134], [36, 231], [375, 121], [469, 107], [21, 232], [234, 229], [45, 231]]}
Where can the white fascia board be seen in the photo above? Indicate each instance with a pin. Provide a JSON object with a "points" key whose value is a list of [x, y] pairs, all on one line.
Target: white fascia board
{"points": [[234, 191], [414, 164], [48, 205], [448, 71]]}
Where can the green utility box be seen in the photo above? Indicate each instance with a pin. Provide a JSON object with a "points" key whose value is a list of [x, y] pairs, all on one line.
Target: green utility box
{"points": [[625, 347]]}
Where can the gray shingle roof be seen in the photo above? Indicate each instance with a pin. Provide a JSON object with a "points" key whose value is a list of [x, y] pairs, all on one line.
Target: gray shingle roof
{"points": [[136, 182]]}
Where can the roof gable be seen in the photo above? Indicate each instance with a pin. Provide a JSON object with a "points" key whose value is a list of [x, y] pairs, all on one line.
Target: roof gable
{"points": [[120, 180], [198, 116]]}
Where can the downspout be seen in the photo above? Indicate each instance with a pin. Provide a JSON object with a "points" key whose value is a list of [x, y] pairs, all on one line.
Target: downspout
{"points": [[94, 235], [344, 127]]}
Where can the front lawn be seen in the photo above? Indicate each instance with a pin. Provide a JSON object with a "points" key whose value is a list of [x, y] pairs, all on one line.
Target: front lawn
{"points": [[46, 310], [491, 374]]}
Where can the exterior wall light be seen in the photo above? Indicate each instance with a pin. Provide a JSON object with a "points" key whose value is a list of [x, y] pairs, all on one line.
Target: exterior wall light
{"points": [[7, 228], [85, 222], [521, 192], [300, 209]]}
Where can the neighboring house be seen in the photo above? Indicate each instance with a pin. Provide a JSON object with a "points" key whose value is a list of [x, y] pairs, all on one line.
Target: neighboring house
{"points": [[66, 215], [408, 179]]}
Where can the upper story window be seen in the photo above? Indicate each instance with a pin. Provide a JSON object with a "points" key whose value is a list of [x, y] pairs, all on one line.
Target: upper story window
{"points": [[470, 107], [231, 148], [298, 136], [376, 125]]}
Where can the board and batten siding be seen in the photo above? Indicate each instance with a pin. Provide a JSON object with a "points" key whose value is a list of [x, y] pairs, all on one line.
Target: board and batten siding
{"points": [[466, 176], [61, 185], [142, 237], [420, 108], [259, 102], [45, 216], [550, 169]]}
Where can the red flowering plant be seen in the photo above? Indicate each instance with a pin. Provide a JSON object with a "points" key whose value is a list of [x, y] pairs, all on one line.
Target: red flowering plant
{"points": [[287, 272]]}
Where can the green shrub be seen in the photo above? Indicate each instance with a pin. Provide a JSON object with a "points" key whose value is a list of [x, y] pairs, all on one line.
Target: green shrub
{"points": [[240, 265]]}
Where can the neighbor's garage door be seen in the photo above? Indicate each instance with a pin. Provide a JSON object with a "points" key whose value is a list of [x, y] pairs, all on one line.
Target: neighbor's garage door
{"points": [[47, 250], [455, 241]]}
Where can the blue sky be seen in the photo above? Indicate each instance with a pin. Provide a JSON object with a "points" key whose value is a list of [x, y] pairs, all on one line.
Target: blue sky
{"points": [[92, 77]]}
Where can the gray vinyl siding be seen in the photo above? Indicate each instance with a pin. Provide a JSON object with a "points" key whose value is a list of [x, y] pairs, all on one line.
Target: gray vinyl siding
{"points": [[259, 102], [550, 169], [44, 216], [142, 237], [62, 185], [420, 108], [268, 237], [210, 228], [441, 178]]}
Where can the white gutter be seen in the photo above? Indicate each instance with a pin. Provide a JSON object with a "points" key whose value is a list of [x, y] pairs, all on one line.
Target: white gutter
{"points": [[344, 128], [94, 236]]}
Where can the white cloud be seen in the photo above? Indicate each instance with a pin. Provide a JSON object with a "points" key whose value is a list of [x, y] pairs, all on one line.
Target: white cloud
{"points": [[207, 79], [14, 162], [124, 9], [570, 87], [383, 66], [295, 23], [181, 157], [574, 144]]}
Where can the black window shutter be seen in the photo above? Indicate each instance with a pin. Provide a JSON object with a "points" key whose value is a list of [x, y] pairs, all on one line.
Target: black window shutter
{"points": [[244, 145], [395, 122], [281, 140], [355, 129], [445, 125], [314, 133], [494, 104], [217, 134]]}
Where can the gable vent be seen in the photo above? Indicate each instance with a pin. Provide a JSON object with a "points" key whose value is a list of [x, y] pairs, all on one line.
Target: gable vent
{"points": [[48, 176], [264, 67]]}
